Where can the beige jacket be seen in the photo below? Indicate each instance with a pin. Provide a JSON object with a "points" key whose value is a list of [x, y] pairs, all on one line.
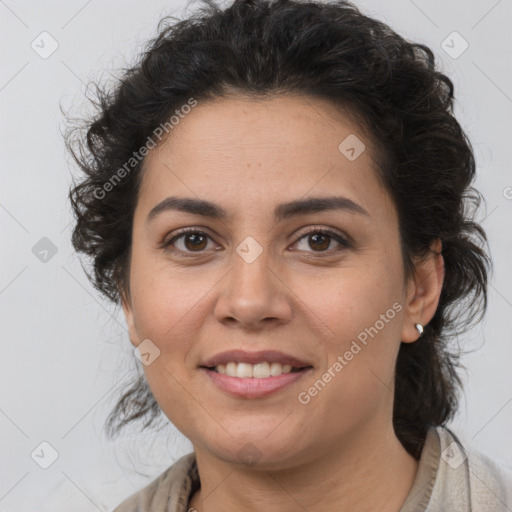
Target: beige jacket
{"points": [[450, 478]]}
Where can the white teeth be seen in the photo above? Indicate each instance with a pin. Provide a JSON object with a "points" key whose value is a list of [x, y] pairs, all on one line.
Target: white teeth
{"points": [[276, 369], [244, 370], [257, 371], [261, 371], [231, 369]]}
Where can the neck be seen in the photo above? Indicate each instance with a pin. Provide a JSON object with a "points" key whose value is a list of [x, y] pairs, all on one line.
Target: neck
{"points": [[370, 472]]}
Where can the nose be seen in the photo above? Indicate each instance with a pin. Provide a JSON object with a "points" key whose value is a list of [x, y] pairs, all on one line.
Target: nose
{"points": [[253, 295]]}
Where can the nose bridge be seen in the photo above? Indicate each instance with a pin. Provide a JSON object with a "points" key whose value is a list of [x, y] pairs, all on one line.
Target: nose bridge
{"points": [[251, 279], [251, 265], [252, 291]]}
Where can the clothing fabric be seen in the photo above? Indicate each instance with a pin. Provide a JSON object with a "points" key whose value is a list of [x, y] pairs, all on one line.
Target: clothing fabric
{"points": [[450, 478]]}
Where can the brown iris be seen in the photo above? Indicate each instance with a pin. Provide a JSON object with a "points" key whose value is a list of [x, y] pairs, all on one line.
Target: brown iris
{"points": [[197, 243], [324, 245]]}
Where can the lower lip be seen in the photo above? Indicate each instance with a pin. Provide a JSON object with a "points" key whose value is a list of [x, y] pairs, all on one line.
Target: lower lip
{"points": [[251, 387]]}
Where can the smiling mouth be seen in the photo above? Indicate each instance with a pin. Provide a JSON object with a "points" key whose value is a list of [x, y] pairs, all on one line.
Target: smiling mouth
{"points": [[261, 370]]}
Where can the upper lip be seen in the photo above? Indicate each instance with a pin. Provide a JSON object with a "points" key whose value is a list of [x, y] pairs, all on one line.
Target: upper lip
{"points": [[241, 356]]}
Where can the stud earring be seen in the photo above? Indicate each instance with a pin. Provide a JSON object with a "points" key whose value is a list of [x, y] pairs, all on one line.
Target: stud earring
{"points": [[419, 328]]}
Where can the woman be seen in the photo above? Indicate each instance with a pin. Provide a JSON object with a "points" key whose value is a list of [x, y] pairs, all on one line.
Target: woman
{"points": [[278, 196]]}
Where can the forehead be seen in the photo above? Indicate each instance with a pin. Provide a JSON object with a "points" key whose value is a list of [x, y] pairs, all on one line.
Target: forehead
{"points": [[237, 126], [241, 150]]}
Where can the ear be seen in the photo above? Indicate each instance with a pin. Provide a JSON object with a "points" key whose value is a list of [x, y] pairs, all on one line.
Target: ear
{"points": [[126, 303], [423, 292]]}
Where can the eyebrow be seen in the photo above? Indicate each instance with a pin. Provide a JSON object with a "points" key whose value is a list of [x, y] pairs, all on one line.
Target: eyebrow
{"points": [[281, 212]]}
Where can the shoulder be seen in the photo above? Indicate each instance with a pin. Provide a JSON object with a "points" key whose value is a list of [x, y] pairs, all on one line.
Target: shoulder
{"points": [[170, 491], [466, 476]]}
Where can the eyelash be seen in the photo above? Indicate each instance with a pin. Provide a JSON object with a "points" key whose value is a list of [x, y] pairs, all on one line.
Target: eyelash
{"points": [[345, 244]]}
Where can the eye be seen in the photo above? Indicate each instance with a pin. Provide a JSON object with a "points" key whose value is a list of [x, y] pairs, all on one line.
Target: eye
{"points": [[320, 240], [191, 240]]}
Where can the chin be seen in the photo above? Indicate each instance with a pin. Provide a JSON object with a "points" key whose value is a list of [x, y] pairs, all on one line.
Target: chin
{"points": [[258, 451]]}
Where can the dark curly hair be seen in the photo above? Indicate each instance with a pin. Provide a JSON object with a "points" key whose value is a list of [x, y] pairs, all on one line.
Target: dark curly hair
{"points": [[327, 50]]}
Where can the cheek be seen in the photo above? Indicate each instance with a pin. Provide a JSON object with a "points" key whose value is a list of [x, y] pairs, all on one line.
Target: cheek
{"points": [[360, 314], [352, 300], [165, 311], [163, 295], [357, 383], [170, 306]]}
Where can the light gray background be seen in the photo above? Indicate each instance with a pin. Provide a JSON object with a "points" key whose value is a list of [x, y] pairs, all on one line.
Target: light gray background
{"points": [[65, 353]]}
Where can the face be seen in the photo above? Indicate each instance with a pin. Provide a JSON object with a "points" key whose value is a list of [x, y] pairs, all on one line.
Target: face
{"points": [[322, 285]]}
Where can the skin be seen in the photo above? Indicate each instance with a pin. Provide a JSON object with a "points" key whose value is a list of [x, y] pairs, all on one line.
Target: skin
{"points": [[339, 451]]}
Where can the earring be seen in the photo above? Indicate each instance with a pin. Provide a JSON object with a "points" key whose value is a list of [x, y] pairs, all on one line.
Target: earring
{"points": [[419, 328]]}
